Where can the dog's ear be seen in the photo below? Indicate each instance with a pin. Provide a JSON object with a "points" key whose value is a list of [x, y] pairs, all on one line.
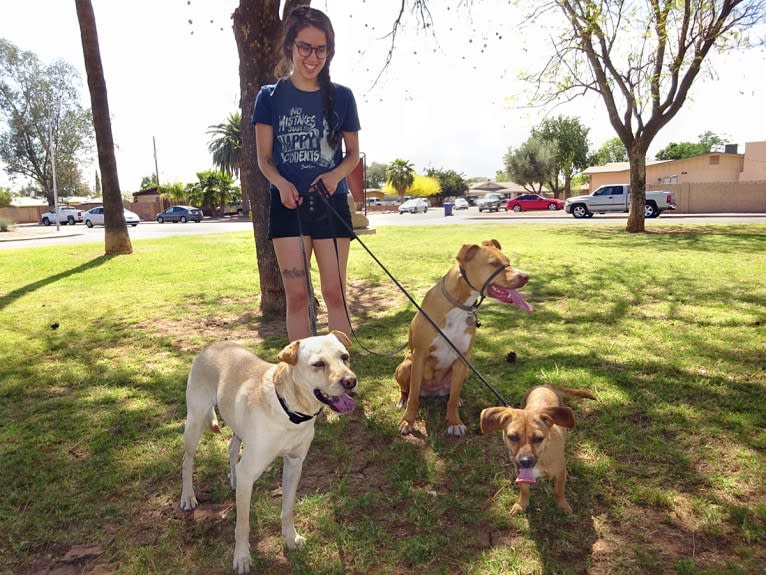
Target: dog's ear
{"points": [[290, 353], [342, 337], [494, 418], [563, 416], [493, 243], [467, 252]]}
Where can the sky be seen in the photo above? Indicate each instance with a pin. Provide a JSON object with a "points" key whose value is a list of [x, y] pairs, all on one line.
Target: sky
{"points": [[450, 98]]}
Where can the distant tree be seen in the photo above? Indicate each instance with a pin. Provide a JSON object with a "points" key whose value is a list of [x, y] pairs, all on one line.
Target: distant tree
{"points": [[400, 174], [641, 58], [97, 185], [613, 150], [375, 176], [175, 193], [680, 150], [450, 182], [226, 143], [502, 176], [5, 197], [571, 139], [42, 112], [148, 182], [532, 164], [212, 190]]}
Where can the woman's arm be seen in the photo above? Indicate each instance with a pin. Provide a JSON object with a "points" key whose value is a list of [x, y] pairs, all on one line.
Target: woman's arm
{"points": [[264, 143]]}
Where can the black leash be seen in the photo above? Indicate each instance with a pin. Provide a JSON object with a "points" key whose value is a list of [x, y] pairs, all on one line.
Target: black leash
{"points": [[324, 194]]}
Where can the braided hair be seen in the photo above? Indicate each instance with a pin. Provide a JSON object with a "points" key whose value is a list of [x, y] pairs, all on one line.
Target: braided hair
{"points": [[299, 18]]}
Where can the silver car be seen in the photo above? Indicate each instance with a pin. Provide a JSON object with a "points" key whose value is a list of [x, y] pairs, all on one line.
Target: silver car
{"points": [[95, 217], [179, 214], [413, 206]]}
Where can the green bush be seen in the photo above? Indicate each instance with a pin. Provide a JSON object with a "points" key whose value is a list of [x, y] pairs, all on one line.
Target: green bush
{"points": [[5, 225]]}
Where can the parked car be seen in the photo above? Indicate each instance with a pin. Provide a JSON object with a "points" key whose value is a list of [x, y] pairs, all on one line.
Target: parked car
{"points": [[413, 206], [616, 198], [460, 204], [67, 215], [179, 214], [527, 202], [491, 203], [95, 217]]}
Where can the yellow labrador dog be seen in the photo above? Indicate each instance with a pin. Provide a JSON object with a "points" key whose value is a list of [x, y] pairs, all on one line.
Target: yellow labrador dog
{"points": [[432, 367], [535, 436], [271, 408]]}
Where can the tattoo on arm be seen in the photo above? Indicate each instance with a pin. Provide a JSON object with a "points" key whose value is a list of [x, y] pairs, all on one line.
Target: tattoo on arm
{"points": [[294, 273]]}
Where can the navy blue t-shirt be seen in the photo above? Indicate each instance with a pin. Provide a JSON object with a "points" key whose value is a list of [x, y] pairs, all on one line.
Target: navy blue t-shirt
{"points": [[301, 151]]}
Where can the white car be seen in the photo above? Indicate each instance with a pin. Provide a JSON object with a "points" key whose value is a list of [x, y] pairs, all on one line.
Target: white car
{"points": [[461, 204], [95, 217], [413, 206]]}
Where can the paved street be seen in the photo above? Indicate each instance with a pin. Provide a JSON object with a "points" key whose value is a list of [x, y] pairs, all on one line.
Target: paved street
{"points": [[32, 235]]}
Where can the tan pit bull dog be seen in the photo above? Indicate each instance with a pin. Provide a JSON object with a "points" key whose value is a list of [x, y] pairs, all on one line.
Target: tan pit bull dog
{"points": [[535, 437], [431, 366], [271, 409]]}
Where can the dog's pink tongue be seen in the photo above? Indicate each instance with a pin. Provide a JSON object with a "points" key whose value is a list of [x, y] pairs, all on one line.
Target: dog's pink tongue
{"points": [[526, 475], [342, 403], [508, 296]]}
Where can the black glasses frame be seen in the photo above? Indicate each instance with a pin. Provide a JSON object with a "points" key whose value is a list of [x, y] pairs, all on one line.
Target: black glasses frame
{"points": [[305, 50]]}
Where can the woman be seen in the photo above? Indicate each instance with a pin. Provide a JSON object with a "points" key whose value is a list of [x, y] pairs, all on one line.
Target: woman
{"points": [[300, 123]]}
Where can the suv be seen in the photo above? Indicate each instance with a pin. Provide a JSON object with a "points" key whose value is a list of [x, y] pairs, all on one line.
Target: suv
{"points": [[67, 215], [492, 203]]}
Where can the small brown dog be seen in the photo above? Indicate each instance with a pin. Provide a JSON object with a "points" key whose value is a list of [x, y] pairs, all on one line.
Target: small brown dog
{"points": [[535, 437], [432, 367]]}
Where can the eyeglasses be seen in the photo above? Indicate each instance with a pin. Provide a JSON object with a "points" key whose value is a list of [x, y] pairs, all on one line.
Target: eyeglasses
{"points": [[305, 50]]}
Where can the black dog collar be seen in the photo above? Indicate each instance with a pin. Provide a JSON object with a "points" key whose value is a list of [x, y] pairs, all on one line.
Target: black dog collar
{"points": [[295, 416]]}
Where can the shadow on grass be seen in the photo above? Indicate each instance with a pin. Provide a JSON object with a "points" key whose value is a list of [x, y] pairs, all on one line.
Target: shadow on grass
{"points": [[11, 296]]}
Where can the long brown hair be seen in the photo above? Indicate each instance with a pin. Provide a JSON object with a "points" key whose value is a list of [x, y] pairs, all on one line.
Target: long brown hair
{"points": [[299, 18]]}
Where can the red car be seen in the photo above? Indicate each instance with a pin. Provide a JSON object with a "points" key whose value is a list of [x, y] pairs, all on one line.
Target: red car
{"points": [[527, 202]]}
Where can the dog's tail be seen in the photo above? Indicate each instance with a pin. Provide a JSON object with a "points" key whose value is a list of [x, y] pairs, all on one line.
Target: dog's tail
{"points": [[572, 392]]}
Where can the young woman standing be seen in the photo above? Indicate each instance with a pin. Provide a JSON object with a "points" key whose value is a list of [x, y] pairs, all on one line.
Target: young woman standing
{"points": [[300, 124]]}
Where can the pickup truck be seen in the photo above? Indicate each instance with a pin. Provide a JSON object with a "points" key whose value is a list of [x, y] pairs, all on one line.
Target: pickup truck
{"points": [[492, 203], [616, 198], [67, 215]]}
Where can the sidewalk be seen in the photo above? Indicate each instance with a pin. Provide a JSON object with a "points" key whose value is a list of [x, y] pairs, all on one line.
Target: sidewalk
{"points": [[21, 232]]}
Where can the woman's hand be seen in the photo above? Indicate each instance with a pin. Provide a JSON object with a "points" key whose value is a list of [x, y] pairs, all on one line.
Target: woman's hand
{"points": [[289, 195], [329, 180]]}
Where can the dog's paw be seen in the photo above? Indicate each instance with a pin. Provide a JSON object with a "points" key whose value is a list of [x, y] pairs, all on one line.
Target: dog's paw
{"points": [[517, 509], [564, 506], [405, 427], [299, 541], [242, 564], [188, 502], [457, 430], [401, 404]]}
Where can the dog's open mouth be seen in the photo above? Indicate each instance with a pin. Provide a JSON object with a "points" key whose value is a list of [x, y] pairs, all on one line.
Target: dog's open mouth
{"points": [[338, 403], [526, 475], [507, 295]]}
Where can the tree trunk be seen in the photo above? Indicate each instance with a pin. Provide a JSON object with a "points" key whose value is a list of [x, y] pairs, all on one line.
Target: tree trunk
{"points": [[116, 238], [637, 160]]}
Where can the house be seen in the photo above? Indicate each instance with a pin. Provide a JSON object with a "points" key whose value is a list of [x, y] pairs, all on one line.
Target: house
{"points": [[724, 181]]}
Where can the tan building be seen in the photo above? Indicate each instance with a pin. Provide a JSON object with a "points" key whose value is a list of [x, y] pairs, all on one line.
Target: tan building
{"points": [[713, 182]]}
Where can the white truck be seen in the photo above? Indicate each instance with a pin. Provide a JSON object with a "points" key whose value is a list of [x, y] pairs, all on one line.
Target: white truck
{"points": [[616, 198], [67, 215]]}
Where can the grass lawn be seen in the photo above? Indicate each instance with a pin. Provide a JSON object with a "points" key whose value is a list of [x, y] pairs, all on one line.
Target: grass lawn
{"points": [[666, 470]]}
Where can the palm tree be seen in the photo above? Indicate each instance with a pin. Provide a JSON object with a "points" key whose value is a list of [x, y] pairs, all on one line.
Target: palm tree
{"points": [[116, 238], [400, 174], [174, 193], [226, 144], [212, 189]]}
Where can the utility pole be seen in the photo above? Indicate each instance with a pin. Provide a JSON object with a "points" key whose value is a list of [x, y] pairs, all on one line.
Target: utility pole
{"points": [[52, 151], [157, 173]]}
